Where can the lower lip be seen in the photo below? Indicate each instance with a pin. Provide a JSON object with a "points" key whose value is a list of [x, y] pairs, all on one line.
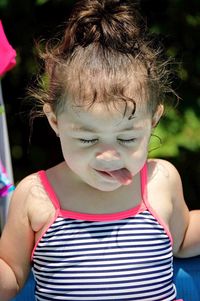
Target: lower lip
{"points": [[105, 175]]}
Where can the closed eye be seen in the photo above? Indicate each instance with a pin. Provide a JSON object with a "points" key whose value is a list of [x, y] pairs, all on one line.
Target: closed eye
{"points": [[126, 141], [93, 141], [88, 141]]}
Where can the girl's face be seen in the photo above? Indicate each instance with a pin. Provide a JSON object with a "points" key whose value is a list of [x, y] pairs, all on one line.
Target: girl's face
{"points": [[103, 148]]}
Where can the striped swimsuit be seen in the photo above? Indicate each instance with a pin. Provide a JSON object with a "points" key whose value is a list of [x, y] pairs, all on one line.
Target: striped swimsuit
{"points": [[121, 256]]}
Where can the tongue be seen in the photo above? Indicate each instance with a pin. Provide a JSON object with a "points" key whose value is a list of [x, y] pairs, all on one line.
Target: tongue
{"points": [[122, 175]]}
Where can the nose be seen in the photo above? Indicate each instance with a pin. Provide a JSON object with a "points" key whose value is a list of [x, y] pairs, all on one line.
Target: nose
{"points": [[108, 155], [108, 159]]}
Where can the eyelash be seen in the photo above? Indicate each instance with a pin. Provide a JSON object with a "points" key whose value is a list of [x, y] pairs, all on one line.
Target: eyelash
{"points": [[124, 141], [93, 141], [85, 141]]}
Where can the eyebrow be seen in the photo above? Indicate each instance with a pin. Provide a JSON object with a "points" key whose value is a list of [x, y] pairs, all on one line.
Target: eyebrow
{"points": [[79, 128]]}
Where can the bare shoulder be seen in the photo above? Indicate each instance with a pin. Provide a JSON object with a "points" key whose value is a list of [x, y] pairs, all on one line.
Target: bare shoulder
{"points": [[163, 183], [26, 190], [166, 186], [163, 170], [25, 186], [22, 193], [31, 199]]}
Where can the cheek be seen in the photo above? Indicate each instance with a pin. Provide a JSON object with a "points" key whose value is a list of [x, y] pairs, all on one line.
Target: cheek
{"points": [[144, 144], [74, 157], [139, 153], [141, 147], [75, 161], [71, 155]]}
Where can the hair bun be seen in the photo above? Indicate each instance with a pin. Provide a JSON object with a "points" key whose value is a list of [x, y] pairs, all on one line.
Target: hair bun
{"points": [[112, 23]]}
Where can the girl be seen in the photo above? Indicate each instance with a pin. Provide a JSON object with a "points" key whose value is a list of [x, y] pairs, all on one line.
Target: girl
{"points": [[103, 224]]}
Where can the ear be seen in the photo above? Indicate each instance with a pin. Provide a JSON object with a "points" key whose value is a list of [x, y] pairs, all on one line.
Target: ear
{"points": [[51, 116], [157, 115]]}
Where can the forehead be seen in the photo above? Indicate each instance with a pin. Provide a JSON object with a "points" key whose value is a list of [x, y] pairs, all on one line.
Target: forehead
{"points": [[101, 118], [113, 88]]}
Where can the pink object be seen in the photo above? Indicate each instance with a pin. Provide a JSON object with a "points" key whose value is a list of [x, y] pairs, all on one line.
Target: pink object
{"points": [[7, 53], [5, 185]]}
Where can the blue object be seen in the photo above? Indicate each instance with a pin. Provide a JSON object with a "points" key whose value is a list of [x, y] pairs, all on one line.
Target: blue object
{"points": [[27, 293], [186, 278]]}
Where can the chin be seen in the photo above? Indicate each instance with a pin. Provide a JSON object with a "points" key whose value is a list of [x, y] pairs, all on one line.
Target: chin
{"points": [[106, 187]]}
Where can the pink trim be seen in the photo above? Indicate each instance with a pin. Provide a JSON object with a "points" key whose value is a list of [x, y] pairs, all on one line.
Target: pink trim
{"points": [[49, 189], [103, 217], [144, 181], [53, 198], [85, 216], [99, 217], [106, 217], [43, 232]]}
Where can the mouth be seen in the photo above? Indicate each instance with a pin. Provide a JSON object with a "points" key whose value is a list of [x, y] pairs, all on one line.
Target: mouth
{"points": [[123, 175], [104, 173]]}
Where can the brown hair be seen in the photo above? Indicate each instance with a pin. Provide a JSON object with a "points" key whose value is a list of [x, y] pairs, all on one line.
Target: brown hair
{"points": [[106, 54]]}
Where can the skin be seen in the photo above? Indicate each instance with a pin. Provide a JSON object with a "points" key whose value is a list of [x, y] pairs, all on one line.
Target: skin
{"points": [[107, 146]]}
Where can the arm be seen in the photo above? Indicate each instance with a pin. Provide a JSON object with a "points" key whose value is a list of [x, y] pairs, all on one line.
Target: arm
{"points": [[191, 241], [16, 244], [185, 224]]}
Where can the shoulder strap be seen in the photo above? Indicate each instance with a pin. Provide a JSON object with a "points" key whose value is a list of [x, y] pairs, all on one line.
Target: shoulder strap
{"points": [[143, 177], [48, 188]]}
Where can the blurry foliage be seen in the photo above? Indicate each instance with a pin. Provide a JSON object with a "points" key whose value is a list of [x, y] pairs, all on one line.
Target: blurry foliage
{"points": [[176, 22], [176, 131]]}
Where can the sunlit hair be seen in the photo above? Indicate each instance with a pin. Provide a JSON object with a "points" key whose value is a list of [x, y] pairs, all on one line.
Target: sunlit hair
{"points": [[106, 55]]}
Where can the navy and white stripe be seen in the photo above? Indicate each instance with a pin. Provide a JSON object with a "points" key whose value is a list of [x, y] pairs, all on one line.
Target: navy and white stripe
{"points": [[127, 259]]}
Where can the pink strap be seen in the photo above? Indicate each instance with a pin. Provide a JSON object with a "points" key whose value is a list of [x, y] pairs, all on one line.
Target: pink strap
{"points": [[83, 216], [52, 195], [49, 189], [143, 177], [44, 180]]}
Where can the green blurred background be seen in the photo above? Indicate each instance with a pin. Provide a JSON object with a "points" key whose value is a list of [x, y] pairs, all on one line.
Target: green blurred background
{"points": [[177, 22]]}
